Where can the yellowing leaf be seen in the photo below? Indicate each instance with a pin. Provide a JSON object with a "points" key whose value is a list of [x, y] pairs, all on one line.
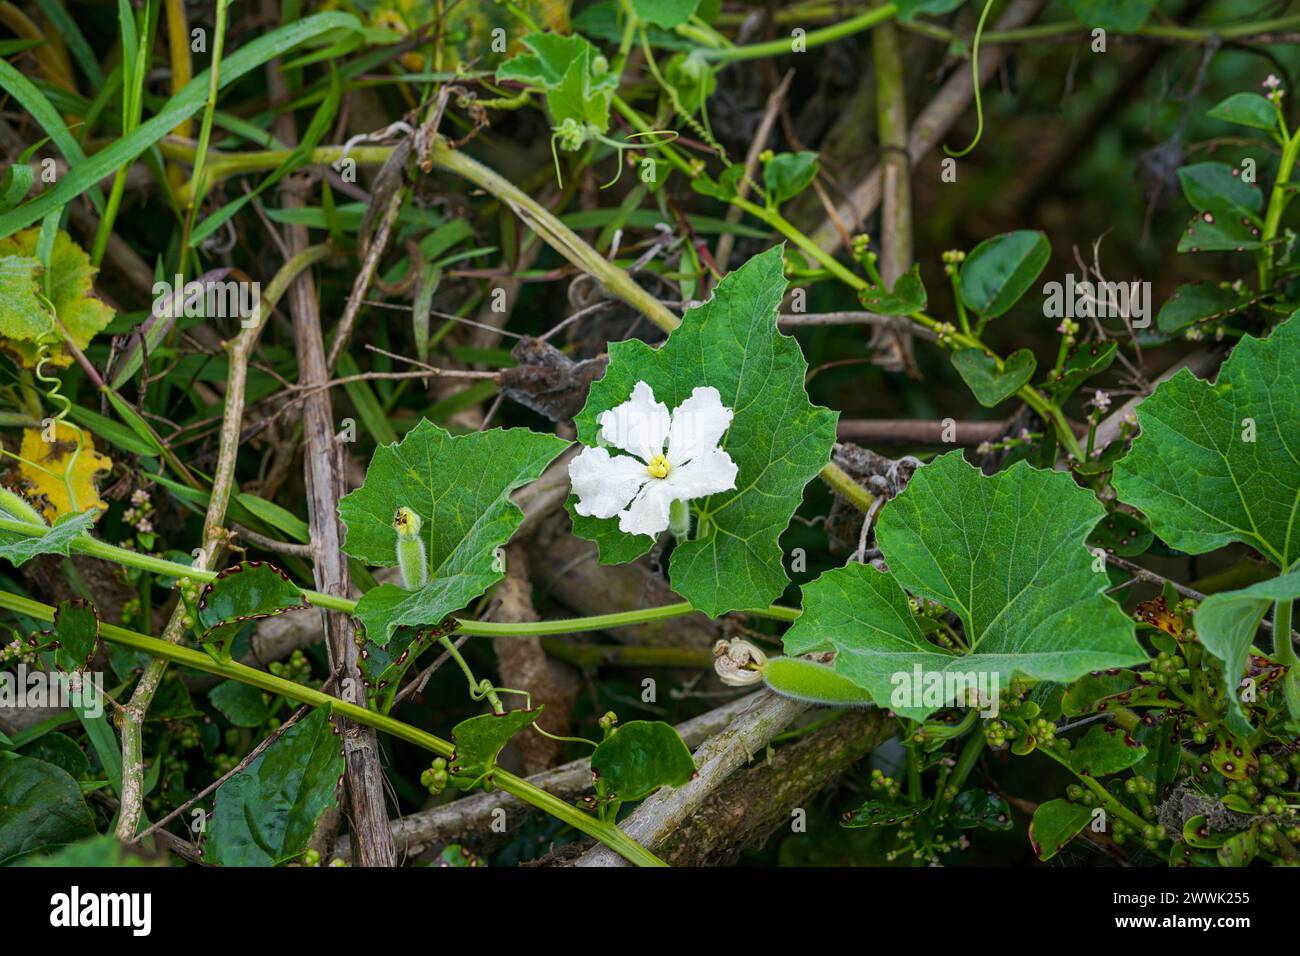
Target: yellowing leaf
{"points": [[46, 484], [71, 292]]}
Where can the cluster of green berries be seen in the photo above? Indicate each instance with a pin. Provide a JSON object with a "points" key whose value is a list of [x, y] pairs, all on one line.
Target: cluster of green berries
{"points": [[1165, 669], [187, 735], [1140, 785], [999, 733], [297, 668], [435, 778], [222, 764], [952, 260], [1150, 835], [190, 598], [1247, 789], [887, 785], [944, 333], [310, 857], [1274, 773], [1200, 732], [1042, 730]]}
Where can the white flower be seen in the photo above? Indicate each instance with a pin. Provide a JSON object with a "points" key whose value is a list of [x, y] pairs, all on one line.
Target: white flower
{"points": [[671, 458]]}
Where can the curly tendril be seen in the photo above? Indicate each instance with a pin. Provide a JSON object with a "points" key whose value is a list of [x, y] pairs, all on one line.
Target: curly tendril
{"points": [[975, 84]]}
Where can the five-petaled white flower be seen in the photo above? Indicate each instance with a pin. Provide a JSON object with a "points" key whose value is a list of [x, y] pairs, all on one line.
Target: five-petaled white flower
{"points": [[671, 458]]}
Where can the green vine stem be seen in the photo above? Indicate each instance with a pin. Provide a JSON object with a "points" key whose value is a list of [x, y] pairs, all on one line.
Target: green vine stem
{"points": [[782, 46], [610, 835], [1071, 29], [596, 622], [1279, 198]]}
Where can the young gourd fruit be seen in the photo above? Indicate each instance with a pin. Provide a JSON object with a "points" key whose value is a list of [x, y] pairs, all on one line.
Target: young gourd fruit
{"points": [[740, 664]]}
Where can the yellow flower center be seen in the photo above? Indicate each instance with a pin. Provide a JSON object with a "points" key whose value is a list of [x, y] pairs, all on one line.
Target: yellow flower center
{"points": [[659, 467]]}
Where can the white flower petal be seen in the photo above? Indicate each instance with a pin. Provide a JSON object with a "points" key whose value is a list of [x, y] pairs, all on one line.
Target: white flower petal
{"points": [[605, 484], [697, 425], [639, 425], [709, 474], [648, 514]]}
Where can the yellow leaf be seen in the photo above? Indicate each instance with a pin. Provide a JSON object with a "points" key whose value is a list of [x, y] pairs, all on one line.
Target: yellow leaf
{"points": [[45, 485]]}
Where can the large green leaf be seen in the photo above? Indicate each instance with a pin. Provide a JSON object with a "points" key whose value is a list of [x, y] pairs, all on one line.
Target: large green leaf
{"points": [[18, 547], [1001, 269], [1005, 553], [1221, 463], [266, 813], [640, 757], [40, 805], [1226, 624], [778, 439], [460, 487]]}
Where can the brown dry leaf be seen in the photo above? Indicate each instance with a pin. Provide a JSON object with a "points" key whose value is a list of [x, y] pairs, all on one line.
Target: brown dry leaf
{"points": [[48, 491]]}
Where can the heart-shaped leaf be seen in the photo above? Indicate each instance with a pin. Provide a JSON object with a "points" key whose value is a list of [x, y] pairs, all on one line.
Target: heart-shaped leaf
{"points": [[778, 439], [480, 740], [266, 814], [990, 384], [1004, 553], [1001, 269], [460, 487], [1216, 463], [907, 296], [640, 757], [789, 174]]}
